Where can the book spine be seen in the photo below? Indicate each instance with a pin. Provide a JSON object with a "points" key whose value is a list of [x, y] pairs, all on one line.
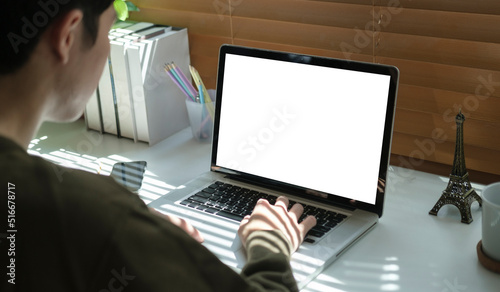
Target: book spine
{"points": [[107, 101], [124, 109]]}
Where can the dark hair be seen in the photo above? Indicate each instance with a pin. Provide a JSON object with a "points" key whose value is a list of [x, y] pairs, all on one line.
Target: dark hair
{"points": [[22, 22]]}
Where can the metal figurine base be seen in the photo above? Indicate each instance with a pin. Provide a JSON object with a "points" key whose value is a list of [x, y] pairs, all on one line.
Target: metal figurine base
{"points": [[460, 194], [459, 191]]}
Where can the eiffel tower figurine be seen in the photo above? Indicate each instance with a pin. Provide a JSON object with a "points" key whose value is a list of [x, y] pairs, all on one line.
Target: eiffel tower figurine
{"points": [[459, 191]]}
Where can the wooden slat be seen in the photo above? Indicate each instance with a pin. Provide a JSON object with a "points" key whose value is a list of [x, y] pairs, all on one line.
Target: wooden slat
{"points": [[201, 23], [446, 103], [467, 6], [442, 24], [328, 11], [205, 54], [361, 2], [206, 45], [438, 50], [446, 77], [329, 14], [200, 6], [440, 169], [321, 25], [421, 148], [301, 50], [476, 133], [305, 35]]}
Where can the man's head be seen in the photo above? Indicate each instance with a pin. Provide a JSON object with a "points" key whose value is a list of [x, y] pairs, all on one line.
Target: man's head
{"points": [[22, 22], [58, 48]]}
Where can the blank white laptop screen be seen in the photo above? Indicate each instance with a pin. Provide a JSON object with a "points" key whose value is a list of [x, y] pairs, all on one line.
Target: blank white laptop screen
{"points": [[316, 127]]}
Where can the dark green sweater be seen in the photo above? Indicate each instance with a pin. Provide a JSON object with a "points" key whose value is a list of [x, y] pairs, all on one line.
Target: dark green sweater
{"points": [[76, 231]]}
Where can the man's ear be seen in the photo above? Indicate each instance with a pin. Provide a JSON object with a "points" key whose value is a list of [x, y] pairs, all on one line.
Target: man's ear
{"points": [[64, 34]]}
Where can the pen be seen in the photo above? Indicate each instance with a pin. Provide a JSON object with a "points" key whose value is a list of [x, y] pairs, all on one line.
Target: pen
{"points": [[175, 80], [184, 79], [202, 98], [199, 83], [180, 82]]}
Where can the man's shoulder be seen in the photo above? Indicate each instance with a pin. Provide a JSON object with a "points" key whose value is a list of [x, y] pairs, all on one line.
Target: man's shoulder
{"points": [[44, 185], [61, 204], [66, 218]]}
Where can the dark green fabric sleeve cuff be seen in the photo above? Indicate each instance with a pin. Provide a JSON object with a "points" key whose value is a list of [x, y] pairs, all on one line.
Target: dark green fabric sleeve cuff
{"points": [[271, 240], [268, 266]]}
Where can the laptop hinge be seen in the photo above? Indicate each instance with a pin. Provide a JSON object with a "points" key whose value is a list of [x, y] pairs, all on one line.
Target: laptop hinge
{"points": [[289, 191]]}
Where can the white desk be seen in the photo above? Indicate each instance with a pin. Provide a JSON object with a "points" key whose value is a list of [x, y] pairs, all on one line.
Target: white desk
{"points": [[409, 250]]}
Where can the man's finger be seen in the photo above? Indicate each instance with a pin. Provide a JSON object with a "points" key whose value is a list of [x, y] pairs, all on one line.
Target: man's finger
{"points": [[296, 211], [196, 234], [244, 220], [306, 224], [282, 202]]}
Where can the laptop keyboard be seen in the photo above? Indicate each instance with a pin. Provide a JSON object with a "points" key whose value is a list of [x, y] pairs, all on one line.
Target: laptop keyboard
{"points": [[234, 202]]}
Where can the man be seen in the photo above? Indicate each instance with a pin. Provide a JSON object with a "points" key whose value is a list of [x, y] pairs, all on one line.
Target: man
{"points": [[85, 232]]}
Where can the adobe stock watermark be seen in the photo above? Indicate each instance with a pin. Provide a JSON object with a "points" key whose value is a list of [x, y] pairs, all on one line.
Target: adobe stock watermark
{"points": [[222, 7], [254, 144], [11, 232], [119, 281], [483, 91], [364, 37], [427, 147], [453, 286], [31, 26]]}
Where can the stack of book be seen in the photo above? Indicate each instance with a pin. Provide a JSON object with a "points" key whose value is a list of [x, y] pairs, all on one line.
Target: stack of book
{"points": [[135, 98]]}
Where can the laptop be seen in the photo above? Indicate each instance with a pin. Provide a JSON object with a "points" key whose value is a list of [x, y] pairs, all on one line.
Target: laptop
{"points": [[317, 130]]}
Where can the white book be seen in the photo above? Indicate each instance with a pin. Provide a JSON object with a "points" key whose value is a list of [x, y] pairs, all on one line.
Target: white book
{"points": [[165, 103], [123, 90], [149, 33], [137, 98], [128, 80], [107, 101], [125, 110], [93, 113], [140, 49], [122, 24], [105, 94], [136, 89], [134, 28]]}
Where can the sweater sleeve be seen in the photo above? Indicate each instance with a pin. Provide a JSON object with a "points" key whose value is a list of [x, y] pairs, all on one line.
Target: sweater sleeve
{"points": [[268, 267], [151, 254]]}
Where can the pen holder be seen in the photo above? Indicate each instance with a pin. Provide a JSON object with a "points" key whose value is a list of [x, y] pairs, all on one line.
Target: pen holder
{"points": [[201, 118]]}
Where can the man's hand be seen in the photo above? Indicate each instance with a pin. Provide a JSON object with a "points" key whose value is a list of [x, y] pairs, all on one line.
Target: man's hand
{"points": [[277, 217], [183, 224]]}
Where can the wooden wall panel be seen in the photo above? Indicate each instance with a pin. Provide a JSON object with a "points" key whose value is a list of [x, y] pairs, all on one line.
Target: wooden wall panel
{"points": [[204, 50], [447, 103], [324, 26], [449, 58], [417, 150]]}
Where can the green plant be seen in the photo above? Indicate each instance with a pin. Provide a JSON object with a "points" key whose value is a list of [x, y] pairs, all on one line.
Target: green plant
{"points": [[122, 8]]}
